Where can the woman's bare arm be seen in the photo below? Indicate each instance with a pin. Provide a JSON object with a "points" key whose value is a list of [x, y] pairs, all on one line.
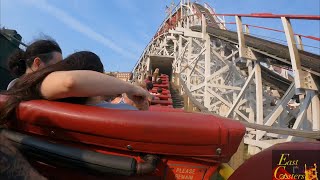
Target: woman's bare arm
{"points": [[83, 83]]}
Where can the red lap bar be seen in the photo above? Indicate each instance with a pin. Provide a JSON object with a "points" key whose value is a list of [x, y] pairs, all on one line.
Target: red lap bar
{"points": [[163, 97], [161, 85], [162, 102]]}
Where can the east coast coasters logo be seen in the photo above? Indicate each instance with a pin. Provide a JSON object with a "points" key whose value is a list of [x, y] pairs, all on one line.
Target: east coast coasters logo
{"points": [[293, 165]]}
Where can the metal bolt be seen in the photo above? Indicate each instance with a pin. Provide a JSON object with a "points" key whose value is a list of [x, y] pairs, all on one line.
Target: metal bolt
{"points": [[129, 147], [218, 151]]}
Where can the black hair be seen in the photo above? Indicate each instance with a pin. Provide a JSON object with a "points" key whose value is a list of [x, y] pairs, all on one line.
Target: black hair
{"points": [[149, 85], [159, 90], [28, 87], [20, 60]]}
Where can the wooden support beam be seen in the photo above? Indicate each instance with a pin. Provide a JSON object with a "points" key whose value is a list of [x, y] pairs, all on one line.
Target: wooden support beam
{"points": [[228, 104], [246, 29], [220, 71], [272, 117], [189, 56], [255, 143], [238, 158], [204, 26], [294, 56], [299, 42], [315, 107], [195, 61], [207, 69], [222, 86], [302, 113], [231, 55], [259, 93], [242, 45], [240, 94], [196, 87], [259, 96]]}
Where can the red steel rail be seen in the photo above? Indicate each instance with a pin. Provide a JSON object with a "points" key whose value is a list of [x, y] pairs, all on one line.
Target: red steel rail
{"points": [[270, 15], [276, 30]]}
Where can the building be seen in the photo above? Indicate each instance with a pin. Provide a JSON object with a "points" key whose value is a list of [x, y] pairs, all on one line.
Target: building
{"points": [[125, 76]]}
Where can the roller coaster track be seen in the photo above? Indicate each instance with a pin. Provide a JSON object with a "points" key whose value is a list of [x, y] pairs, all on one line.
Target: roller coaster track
{"points": [[207, 65], [308, 60], [279, 52]]}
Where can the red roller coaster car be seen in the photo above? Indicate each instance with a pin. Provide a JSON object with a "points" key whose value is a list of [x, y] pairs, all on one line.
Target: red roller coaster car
{"points": [[76, 141]]}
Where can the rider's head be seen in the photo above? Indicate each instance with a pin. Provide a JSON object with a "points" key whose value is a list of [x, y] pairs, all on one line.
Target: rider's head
{"points": [[39, 54]]}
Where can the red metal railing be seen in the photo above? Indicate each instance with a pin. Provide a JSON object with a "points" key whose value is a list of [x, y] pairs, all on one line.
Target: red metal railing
{"points": [[270, 15], [260, 15], [276, 30]]}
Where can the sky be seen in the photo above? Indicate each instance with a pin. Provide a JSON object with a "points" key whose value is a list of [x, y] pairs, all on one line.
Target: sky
{"points": [[119, 30]]}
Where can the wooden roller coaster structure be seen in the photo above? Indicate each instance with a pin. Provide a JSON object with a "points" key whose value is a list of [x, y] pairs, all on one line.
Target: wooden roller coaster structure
{"points": [[233, 74]]}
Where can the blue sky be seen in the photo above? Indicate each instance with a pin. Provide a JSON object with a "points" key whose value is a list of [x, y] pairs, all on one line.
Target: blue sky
{"points": [[119, 30]]}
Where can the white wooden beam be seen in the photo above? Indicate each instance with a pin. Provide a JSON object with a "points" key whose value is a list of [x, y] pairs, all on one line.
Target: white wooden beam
{"points": [[241, 41], [302, 113], [222, 86], [203, 26], [199, 71], [259, 96], [220, 71], [231, 55], [259, 93], [207, 69], [189, 33], [240, 93], [272, 117], [315, 105], [299, 42], [246, 29], [228, 104], [260, 144], [294, 55], [196, 87]]}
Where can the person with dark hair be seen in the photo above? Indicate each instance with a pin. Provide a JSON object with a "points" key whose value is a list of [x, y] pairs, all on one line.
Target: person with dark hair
{"points": [[39, 54], [159, 91], [159, 81], [77, 79], [149, 84]]}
